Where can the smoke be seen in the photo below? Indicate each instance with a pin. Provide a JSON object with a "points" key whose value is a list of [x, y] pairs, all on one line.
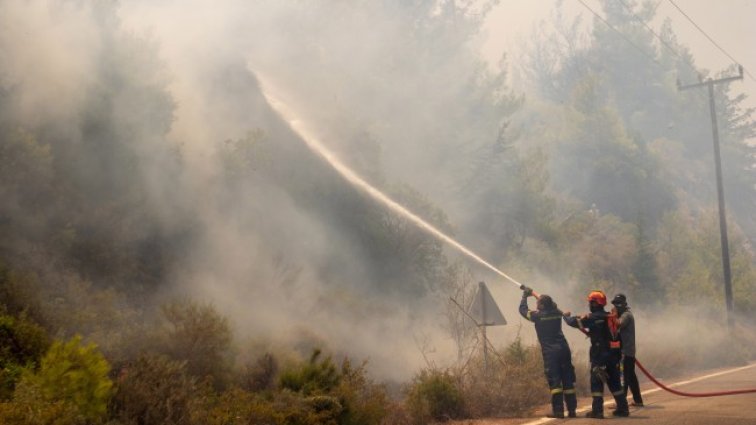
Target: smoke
{"points": [[154, 111], [396, 75]]}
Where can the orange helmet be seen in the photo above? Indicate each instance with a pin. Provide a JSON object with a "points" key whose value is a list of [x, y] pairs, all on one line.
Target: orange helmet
{"points": [[597, 296]]}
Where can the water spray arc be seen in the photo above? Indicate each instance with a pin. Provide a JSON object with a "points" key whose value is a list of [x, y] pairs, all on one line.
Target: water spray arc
{"points": [[352, 177], [285, 112]]}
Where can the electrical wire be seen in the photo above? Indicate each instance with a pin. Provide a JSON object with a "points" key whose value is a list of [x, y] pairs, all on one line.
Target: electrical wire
{"points": [[619, 33], [664, 43], [653, 12], [658, 37], [710, 39]]}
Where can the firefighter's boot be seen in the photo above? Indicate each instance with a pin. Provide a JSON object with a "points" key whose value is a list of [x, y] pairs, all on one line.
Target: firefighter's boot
{"points": [[622, 408], [597, 407], [557, 403], [571, 400], [595, 415]]}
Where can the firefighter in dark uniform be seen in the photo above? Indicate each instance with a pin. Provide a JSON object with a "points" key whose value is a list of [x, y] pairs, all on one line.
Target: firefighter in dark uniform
{"points": [[557, 358], [604, 361]]}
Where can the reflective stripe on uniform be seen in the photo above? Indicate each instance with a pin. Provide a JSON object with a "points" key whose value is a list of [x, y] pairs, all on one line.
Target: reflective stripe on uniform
{"points": [[528, 316], [556, 390], [570, 391], [620, 392], [597, 394]]}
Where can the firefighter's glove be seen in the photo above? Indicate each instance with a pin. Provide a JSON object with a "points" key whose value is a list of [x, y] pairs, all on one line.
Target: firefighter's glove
{"points": [[526, 292]]}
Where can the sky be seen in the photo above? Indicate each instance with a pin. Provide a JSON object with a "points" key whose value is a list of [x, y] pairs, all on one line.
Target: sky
{"points": [[731, 23]]}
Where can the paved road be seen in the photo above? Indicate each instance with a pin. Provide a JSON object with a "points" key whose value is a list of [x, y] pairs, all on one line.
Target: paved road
{"points": [[668, 409]]}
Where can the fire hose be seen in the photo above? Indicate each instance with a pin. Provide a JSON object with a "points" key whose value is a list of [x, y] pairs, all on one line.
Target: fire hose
{"points": [[687, 394], [664, 387]]}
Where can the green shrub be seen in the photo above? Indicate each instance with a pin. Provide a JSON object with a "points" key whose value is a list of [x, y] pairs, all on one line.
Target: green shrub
{"points": [[435, 395], [313, 377], [71, 387]]}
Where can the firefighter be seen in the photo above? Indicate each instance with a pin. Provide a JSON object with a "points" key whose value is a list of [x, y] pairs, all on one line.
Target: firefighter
{"points": [[557, 358], [627, 338], [604, 362]]}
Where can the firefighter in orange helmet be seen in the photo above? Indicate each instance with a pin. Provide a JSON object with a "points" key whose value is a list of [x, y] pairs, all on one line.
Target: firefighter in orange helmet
{"points": [[604, 360]]}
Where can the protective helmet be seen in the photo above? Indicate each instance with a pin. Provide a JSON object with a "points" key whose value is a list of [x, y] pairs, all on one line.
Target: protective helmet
{"points": [[619, 300], [597, 296]]}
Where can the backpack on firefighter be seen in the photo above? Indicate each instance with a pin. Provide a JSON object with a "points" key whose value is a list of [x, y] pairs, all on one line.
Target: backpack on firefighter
{"points": [[612, 320]]}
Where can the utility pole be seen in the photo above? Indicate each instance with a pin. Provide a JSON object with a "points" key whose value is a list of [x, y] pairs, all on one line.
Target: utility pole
{"points": [[720, 189]]}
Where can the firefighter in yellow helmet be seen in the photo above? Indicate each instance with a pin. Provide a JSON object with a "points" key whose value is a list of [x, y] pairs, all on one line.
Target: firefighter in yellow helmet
{"points": [[604, 360]]}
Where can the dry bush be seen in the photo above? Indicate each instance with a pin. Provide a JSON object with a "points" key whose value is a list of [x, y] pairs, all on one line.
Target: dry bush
{"points": [[365, 403], [261, 375], [309, 392], [396, 414], [155, 390], [512, 385], [239, 407], [435, 395], [201, 337]]}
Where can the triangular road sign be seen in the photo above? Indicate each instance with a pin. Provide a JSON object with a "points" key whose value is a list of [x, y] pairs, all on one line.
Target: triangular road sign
{"points": [[484, 309]]}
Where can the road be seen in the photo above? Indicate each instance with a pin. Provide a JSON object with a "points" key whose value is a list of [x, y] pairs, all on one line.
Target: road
{"points": [[664, 408], [669, 409]]}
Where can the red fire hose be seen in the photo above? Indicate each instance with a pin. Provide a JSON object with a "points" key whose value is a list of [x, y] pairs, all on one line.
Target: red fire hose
{"points": [[683, 393], [686, 394]]}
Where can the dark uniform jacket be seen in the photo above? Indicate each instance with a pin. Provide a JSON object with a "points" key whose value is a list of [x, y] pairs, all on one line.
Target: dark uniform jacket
{"points": [[548, 325], [598, 330]]}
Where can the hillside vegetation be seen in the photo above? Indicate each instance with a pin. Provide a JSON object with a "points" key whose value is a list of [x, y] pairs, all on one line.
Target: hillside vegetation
{"points": [[171, 252]]}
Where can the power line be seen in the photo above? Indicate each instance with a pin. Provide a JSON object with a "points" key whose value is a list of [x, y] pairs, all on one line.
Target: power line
{"points": [[656, 7], [710, 39], [658, 37], [671, 49], [620, 33]]}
